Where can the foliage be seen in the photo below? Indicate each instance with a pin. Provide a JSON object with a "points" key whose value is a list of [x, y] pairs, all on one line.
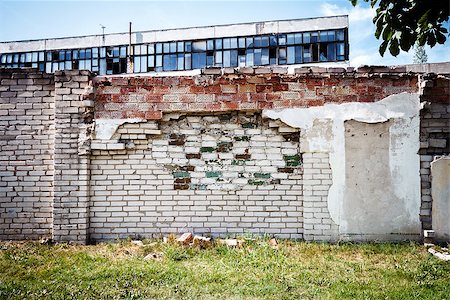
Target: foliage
{"points": [[402, 23], [293, 270]]}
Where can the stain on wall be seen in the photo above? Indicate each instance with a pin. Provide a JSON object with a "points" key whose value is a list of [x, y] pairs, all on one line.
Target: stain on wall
{"points": [[440, 173]]}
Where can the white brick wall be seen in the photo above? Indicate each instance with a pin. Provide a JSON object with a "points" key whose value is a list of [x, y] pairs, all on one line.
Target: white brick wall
{"points": [[207, 174]]}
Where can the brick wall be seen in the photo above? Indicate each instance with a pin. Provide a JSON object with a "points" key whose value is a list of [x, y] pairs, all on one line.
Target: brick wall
{"points": [[223, 174], [434, 135], [197, 155], [26, 154]]}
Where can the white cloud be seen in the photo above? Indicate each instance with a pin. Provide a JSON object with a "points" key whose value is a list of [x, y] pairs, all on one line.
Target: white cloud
{"points": [[356, 14]]}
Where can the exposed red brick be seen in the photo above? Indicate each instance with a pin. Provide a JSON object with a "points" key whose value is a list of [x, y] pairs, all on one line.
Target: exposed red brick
{"points": [[197, 89], [153, 115], [213, 89], [228, 105], [264, 88], [247, 88], [280, 87]]}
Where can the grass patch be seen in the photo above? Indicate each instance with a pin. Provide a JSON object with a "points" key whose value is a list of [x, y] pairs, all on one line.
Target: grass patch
{"points": [[294, 270]]}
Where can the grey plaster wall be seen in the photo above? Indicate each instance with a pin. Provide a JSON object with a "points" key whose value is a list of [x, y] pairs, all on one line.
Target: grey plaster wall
{"points": [[440, 173]]}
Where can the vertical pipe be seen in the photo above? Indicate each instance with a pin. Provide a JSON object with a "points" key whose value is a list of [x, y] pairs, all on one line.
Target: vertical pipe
{"points": [[129, 52]]}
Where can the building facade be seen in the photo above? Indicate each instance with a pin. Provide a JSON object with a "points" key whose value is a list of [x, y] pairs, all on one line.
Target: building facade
{"points": [[287, 42]]}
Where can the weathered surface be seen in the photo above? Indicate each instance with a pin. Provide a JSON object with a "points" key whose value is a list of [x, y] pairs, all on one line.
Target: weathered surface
{"points": [[440, 173]]}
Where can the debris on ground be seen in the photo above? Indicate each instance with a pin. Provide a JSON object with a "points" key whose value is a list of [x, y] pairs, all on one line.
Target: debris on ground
{"points": [[231, 242], [441, 255], [201, 241], [137, 243], [46, 241], [185, 238], [154, 255], [273, 243]]}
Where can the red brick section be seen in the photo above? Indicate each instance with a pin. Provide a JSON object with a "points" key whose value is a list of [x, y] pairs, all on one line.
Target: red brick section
{"points": [[150, 97]]}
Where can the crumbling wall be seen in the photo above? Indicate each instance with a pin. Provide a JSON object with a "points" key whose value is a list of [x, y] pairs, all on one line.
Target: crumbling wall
{"points": [[224, 174], [27, 132]]}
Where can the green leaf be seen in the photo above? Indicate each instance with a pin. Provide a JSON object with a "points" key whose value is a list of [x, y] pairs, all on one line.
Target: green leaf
{"points": [[383, 47], [393, 47]]}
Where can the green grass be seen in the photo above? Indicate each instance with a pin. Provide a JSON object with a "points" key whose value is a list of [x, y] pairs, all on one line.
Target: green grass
{"points": [[255, 271]]}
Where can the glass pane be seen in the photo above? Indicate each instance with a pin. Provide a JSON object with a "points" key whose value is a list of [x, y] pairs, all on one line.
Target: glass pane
{"points": [[143, 49], [22, 57], [188, 46], [94, 52], [9, 59], [218, 44], [102, 52], [282, 39], [123, 51], [180, 62], [298, 38], [95, 63], [88, 53], [257, 41], [34, 65], [151, 61], [340, 35], [314, 37], [166, 48], [331, 36], [323, 36], [68, 65], [137, 50], [282, 53], [62, 55], [198, 60], [143, 63], [151, 49], [210, 60], [226, 43], [41, 67], [115, 52], [210, 45], [273, 40], [68, 55], [16, 57], [55, 66], [88, 64], [241, 42], [323, 54], [3, 59], [173, 47], [249, 42], [34, 57], [180, 47], [48, 67], [233, 43], [257, 56], [290, 39], [265, 41], [199, 46], [158, 48], [49, 56], [137, 64], [298, 54], [226, 59], [102, 66], [241, 60], [306, 38], [331, 52], [75, 54], [158, 60], [291, 55], [61, 66], [187, 61], [41, 56], [218, 57], [249, 57], [233, 58], [265, 56], [315, 52]]}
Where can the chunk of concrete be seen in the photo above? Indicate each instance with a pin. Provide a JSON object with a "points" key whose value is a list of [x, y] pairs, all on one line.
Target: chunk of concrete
{"points": [[440, 192]]}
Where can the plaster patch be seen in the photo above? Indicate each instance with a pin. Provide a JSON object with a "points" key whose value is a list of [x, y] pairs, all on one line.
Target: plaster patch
{"points": [[403, 146], [105, 128]]}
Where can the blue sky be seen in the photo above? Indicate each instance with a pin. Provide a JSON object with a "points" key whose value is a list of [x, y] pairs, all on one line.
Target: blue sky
{"points": [[22, 20]]}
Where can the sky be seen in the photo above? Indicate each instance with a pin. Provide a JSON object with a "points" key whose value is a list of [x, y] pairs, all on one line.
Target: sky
{"points": [[25, 20]]}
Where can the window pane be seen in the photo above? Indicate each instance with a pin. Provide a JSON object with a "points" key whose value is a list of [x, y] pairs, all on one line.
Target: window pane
{"points": [[62, 55], [103, 52], [75, 54], [265, 41], [226, 59], [298, 54], [323, 52], [282, 39], [166, 47], [115, 52], [187, 61], [95, 63], [257, 56], [249, 42], [34, 57], [88, 53], [331, 52], [49, 56], [68, 55], [188, 46], [233, 58], [143, 63], [257, 41], [306, 54], [180, 47], [226, 43], [273, 40], [22, 58], [210, 45], [331, 36], [249, 57], [198, 60], [151, 49], [233, 42], [218, 57], [151, 61], [123, 51], [218, 44], [180, 62], [290, 55], [68, 65], [241, 42], [323, 36], [306, 38], [173, 47], [210, 60], [137, 50], [94, 52], [158, 60], [314, 37], [298, 38], [315, 52], [102, 66], [199, 46], [158, 48], [265, 56], [137, 64], [41, 56], [3, 59], [340, 35], [290, 39]]}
